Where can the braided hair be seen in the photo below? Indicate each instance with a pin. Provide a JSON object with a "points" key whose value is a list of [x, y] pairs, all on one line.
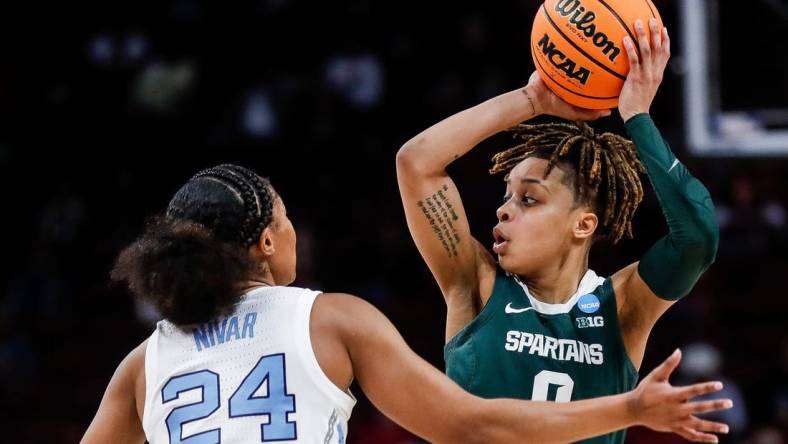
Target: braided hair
{"points": [[191, 262], [601, 169]]}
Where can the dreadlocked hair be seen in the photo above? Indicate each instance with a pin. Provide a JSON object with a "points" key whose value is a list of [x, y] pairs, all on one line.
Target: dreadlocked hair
{"points": [[602, 169], [192, 262]]}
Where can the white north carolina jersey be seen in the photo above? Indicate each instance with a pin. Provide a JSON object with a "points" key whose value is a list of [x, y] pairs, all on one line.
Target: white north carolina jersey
{"points": [[248, 378]]}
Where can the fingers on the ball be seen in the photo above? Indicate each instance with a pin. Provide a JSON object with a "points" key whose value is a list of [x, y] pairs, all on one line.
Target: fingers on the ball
{"points": [[703, 425], [665, 41], [629, 45], [709, 406], [696, 436], [699, 389], [643, 39], [656, 35]]}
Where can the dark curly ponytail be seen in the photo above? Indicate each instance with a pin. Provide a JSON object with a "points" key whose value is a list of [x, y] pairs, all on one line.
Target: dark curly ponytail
{"points": [[192, 262]]}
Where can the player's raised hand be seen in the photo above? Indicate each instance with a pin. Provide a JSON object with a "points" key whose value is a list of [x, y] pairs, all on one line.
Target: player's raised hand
{"points": [[547, 102], [665, 408], [645, 69]]}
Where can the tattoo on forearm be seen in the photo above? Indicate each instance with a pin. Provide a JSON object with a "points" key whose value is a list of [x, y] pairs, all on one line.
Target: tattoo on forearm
{"points": [[441, 215]]}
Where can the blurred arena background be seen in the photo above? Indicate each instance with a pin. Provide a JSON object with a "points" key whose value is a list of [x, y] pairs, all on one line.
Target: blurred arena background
{"points": [[108, 107]]}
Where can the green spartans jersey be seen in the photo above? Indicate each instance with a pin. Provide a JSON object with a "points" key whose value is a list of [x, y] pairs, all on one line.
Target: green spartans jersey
{"points": [[519, 347]]}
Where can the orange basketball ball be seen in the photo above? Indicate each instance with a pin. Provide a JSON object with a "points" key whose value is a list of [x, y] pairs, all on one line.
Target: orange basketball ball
{"points": [[578, 47]]}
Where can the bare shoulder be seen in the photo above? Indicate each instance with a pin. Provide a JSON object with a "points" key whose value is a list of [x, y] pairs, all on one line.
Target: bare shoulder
{"points": [[134, 369], [136, 358], [131, 371], [345, 330], [342, 311], [339, 301], [119, 416], [336, 324], [353, 321]]}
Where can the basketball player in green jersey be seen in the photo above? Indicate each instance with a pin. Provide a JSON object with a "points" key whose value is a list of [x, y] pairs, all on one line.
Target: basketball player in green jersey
{"points": [[537, 323]]}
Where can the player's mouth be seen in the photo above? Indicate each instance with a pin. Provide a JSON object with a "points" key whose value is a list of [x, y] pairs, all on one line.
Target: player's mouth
{"points": [[501, 241]]}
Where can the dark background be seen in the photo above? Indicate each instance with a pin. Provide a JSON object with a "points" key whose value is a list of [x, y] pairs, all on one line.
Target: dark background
{"points": [[107, 108]]}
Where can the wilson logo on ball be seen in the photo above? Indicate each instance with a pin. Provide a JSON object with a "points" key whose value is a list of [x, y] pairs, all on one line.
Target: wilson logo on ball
{"points": [[558, 59], [583, 20], [578, 47]]}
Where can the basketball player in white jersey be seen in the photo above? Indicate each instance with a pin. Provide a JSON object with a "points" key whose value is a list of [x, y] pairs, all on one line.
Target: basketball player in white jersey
{"points": [[242, 358]]}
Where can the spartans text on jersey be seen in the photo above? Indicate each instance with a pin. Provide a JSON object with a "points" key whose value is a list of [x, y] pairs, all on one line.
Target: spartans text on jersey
{"points": [[558, 349]]}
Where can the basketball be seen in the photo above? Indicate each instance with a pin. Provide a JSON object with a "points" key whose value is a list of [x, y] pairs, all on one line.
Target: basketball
{"points": [[578, 47]]}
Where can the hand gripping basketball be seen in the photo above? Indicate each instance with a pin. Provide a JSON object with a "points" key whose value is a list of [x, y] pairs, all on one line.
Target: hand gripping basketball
{"points": [[577, 47], [546, 101], [646, 69]]}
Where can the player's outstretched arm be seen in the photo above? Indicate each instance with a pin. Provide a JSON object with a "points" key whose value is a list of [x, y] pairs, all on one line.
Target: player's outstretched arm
{"points": [[463, 268], [672, 266], [118, 417], [420, 398]]}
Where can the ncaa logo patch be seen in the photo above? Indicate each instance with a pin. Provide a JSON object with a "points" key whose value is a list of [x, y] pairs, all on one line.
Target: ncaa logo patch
{"points": [[588, 303]]}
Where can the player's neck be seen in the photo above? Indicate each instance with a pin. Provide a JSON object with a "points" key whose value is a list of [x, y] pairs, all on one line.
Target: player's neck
{"points": [[557, 284], [265, 280]]}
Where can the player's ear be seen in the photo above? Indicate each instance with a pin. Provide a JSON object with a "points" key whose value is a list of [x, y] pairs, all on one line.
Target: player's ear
{"points": [[266, 242], [585, 225]]}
